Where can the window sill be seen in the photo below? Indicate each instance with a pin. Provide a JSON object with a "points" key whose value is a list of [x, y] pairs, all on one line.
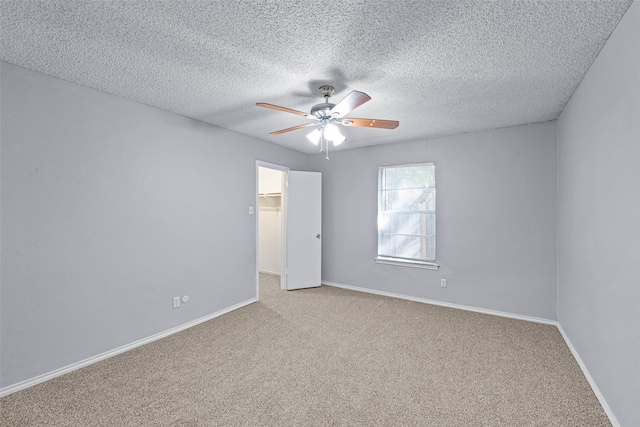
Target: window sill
{"points": [[407, 263]]}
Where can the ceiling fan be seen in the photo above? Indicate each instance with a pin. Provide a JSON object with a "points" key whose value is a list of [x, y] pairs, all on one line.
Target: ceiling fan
{"points": [[328, 117]]}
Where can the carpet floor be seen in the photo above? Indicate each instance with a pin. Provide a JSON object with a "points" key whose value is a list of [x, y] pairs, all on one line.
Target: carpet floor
{"points": [[326, 357]]}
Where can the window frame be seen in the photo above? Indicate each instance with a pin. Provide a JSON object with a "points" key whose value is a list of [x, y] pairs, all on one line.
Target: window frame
{"points": [[406, 262]]}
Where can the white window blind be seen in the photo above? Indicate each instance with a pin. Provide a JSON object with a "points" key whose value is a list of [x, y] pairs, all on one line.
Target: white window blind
{"points": [[407, 212]]}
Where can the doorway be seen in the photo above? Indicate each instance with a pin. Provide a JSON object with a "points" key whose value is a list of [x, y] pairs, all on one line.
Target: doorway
{"points": [[270, 222]]}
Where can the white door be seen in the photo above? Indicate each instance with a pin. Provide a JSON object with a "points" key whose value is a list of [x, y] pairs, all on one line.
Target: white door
{"points": [[304, 224]]}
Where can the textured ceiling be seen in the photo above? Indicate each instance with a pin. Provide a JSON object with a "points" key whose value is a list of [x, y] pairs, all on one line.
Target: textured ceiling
{"points": [[441, 67]]}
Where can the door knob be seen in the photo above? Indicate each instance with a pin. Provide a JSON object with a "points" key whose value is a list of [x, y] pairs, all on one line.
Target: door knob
{"points": [[317, 236]]}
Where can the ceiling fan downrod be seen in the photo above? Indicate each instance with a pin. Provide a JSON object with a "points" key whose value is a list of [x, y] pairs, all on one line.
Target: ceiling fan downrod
{"points": [[323, 111]]}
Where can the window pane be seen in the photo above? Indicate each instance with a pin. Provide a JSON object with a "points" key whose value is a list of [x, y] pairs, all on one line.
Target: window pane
{"points": [[407, 247], [410, 176], [410, 199], [423, 224]]}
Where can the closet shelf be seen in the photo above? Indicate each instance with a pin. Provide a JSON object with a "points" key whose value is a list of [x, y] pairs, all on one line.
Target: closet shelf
{"points": [[272, 198]]}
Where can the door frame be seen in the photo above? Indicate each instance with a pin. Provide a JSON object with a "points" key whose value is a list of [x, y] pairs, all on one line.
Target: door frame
{"points": [[283, 218]]}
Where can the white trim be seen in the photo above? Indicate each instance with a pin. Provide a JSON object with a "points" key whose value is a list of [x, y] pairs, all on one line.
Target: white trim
{"points": [[444, 304], [107, 354], [407, 263], [273, 273], [592, 383], [407, 164]]}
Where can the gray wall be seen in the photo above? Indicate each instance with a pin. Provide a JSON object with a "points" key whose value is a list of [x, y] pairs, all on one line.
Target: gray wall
{"points": [[109, 209], [496, 219], [599, 220]]}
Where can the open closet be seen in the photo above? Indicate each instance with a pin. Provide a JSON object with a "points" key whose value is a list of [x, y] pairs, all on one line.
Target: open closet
{"points": [[270, 214]]}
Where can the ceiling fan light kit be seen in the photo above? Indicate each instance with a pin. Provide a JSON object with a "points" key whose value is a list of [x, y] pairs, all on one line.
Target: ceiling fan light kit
{"points": [[328, 117]]}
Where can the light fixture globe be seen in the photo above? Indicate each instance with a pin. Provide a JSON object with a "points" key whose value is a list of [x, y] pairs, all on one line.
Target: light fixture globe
{"points": [[339, 139], [332, 133], [315, 136]]}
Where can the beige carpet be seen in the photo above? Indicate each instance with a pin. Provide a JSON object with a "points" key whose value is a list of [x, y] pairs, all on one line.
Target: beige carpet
{"points": [[327, 357]]}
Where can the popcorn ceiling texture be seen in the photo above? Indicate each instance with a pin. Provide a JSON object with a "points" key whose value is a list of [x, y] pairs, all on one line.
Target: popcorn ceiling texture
{"points": [[439, 68]]}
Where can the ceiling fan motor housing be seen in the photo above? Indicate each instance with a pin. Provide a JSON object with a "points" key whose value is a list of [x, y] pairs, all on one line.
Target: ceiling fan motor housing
{"points": [[322, 110]]}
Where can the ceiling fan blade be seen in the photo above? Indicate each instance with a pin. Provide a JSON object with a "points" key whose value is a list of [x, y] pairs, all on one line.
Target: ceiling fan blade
{"points": [[278, 132], [371, 123], [349, 103], [285, 109]]}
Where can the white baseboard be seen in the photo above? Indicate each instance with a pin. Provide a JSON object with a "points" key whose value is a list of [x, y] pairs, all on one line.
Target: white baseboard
{"points": [[91, 360], [274, 273], [592, 383], [444, 304]]}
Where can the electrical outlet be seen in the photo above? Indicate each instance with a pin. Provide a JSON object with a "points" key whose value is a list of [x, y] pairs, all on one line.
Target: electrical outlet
{"points": [[176, 302], [443, 283]]}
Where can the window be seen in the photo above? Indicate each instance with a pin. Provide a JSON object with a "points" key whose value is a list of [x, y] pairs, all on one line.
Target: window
{"points": [[407, 215]]}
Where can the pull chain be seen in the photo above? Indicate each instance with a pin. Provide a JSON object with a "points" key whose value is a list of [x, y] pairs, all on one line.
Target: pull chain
{"points": [[326, 142]]}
